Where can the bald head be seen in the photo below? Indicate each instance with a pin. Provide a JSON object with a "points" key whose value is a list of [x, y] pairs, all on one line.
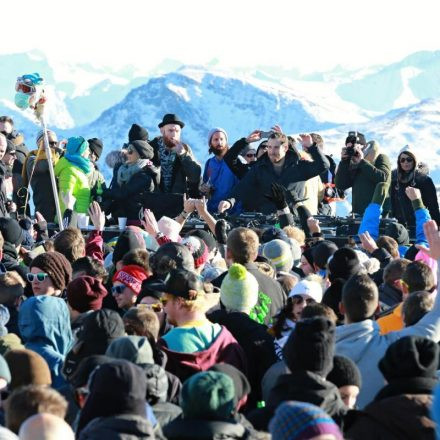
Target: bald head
{"points": [[3, 144], [45, 427]]}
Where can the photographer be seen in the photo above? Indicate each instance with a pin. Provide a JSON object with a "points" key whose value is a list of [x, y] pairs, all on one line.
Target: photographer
{"points": [[361, 168]]}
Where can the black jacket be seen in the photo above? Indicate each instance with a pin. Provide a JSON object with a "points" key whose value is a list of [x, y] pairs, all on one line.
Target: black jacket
{"points": [[239, 168], [303, 386], [271, 296], [186, 171], [389, 295], [186, 429], [257, 182], [126, 200], [257, 344], [401, 207], [120, 427]]}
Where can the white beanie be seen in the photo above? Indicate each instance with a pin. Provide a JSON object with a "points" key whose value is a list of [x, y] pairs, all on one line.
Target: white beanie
{"points": [[239, 289], [170, 228], [307, 289], [216, 130]]}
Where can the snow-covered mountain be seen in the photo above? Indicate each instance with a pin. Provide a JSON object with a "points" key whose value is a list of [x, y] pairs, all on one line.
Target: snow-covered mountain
{"points": [[395, 104]]}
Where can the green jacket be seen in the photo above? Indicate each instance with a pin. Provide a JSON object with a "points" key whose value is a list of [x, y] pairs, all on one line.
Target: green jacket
{"points": [[362, 179], [72, 179]]}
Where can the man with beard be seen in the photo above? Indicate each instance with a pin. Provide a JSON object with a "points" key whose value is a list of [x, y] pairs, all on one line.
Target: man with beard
{"points": [[218, 179], [180, 172], [7, 163], [3, 198], [280, 165]]}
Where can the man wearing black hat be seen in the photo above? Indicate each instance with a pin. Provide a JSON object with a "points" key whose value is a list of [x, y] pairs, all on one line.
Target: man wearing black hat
{"points": [[96, 179], [7, 187], [361, 168], [180, 172]]}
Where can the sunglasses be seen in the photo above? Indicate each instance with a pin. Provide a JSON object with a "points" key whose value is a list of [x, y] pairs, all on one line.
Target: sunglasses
{"points": [[300, 299], [41, 276], [130, 151], [250, 155], [117, 290], [53, 144], [406, 159], [4, 394]]}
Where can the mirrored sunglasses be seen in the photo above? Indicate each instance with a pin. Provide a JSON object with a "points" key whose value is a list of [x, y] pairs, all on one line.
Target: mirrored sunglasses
{"points": [[41, 276]]}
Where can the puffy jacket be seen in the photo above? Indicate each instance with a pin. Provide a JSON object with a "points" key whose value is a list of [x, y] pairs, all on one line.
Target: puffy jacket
{"points": [[401, 207], [257, 182], [73, 180], [44, 324], [126, 200]]}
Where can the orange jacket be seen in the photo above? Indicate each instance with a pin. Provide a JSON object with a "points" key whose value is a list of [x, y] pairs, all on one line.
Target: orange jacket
{"points": [[391, 322]]}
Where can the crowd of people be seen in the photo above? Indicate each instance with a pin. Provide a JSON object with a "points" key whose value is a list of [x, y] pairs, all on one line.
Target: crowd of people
{"points": [[167, 332]]}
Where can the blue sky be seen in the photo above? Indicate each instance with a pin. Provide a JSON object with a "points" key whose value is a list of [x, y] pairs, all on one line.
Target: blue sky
{"points": [[310, 35]]}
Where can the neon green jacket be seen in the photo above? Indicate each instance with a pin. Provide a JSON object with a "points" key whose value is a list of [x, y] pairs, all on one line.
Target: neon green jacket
{"points": [[74, 180]]}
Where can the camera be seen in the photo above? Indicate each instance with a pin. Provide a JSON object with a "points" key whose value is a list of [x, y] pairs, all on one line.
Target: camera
{"points": [[265, 134], [353, 138]]}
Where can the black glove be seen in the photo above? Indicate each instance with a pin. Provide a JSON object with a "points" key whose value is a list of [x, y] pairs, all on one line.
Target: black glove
{"points": [[222, 228], [277, 196]]}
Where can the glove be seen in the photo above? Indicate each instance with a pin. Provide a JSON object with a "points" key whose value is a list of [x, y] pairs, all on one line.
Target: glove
{"points": [[277, 196], [222, 228]]}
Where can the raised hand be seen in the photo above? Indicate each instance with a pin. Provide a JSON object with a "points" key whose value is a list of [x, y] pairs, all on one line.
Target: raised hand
{"points": [[254, 137], [223, 206], [150, 223], [413, 193], [432, 235], [368, 242], [97, 217]]}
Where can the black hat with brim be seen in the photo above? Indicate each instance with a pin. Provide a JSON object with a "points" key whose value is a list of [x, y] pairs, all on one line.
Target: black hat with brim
{"points": [[171, 118]]}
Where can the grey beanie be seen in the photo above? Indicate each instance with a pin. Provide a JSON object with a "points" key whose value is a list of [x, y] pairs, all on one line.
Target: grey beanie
{"points": [[136, 349]]}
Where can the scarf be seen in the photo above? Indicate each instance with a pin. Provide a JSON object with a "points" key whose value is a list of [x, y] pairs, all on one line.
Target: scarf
{"points": [[79, 161], [40, 154], [127, 171], [411, 385], [167, 159]]}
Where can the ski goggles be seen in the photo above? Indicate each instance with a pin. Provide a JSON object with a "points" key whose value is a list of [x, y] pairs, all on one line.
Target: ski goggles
{"points": [[41, 276], [24, 88]]}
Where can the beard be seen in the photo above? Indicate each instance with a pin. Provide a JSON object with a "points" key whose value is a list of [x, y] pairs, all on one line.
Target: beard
{"points": [[219, 151], [168, 142]]}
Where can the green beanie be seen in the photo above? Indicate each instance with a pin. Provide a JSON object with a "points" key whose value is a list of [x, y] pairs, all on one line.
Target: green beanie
{"points": [[208, 396], [239, 289]]}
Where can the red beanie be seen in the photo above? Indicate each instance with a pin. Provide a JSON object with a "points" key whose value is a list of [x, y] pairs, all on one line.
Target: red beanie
{"points": [[85, 293], [132, 276]]}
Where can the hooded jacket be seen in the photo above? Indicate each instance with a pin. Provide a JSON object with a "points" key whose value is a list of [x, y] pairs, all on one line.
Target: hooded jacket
{"points": [[363, 177], [400, 204], [365, 346], [257, 344], [303, 386], [73, 180], [224, 349], [126, 200], [44, 324], [257, 182]]}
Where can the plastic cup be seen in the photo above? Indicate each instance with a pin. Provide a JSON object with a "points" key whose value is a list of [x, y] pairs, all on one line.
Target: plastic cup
{"points": [[82, 221], [122, 222]]}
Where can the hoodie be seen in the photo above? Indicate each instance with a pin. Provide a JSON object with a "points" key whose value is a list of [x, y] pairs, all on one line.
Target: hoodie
{"points": [[365, 346], [224, 348], [44, 325]]}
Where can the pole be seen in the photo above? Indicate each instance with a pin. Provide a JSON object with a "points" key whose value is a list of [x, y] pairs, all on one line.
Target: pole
{"points": [[51, 172]]}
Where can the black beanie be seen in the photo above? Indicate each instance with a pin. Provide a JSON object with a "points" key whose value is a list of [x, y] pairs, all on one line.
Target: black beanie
{"points": [[311, 346], [322, 252], [343, 264], [345, 372], [11, 231], [96, 146], [143, 148], [137, 133], [409, 357], [308, 255], [398, 232]]}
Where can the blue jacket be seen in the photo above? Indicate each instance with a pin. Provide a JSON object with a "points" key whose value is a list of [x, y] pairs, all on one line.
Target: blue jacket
{"points": [[44, 324], [221, 178], [365, 346]]}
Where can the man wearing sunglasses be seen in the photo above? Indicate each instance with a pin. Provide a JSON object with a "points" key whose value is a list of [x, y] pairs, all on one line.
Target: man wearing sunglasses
{"points": [[6, 167], [180, 172], [3, 197]]}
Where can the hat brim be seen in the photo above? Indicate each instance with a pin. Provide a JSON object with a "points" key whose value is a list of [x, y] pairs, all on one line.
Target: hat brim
{"points": [[162, 124]]}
